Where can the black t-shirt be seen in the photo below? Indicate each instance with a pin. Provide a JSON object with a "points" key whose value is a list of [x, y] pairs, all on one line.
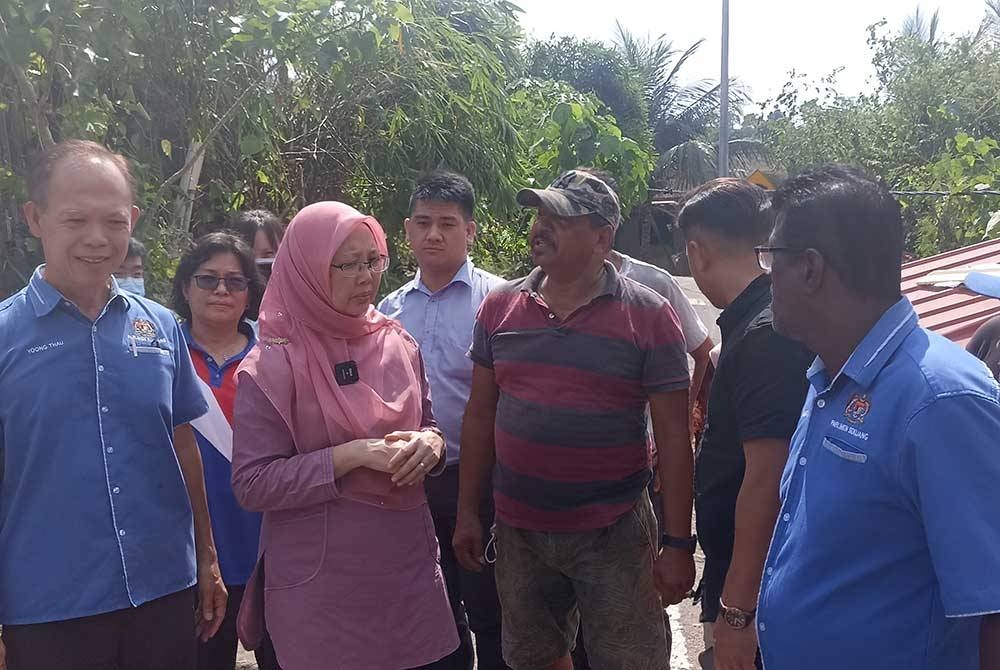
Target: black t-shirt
{"points": [[757, 393]]}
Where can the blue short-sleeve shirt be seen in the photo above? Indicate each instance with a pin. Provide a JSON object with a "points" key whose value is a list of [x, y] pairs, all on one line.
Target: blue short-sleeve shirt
{"points": [[94, 512], [442, 324], [886, 551]]}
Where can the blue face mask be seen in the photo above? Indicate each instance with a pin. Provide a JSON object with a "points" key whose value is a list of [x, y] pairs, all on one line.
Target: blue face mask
{"points": [[133, 285]]}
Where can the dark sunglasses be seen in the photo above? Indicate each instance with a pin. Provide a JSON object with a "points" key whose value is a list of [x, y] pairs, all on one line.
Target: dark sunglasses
{"points": [[211, 283], [765, 255]]}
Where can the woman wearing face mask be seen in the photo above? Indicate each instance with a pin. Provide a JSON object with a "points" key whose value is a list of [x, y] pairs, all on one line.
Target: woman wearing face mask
{"points": [[262, 231], [333, 437], [215, 287]]}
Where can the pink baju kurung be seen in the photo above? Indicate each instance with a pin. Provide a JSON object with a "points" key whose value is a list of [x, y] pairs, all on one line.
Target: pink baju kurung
{"points": [[349, 585]]}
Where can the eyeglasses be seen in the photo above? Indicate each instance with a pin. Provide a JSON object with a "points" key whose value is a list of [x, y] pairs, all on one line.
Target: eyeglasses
{"points": [[765, 256], [375, 266], [211, 283]]}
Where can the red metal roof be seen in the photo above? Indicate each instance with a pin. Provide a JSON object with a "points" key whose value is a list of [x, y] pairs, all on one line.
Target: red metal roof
{"points": [[955, 313]]}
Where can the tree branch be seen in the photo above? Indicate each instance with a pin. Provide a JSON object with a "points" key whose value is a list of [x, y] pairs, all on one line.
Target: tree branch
{"points": [[193, 157], [29, 95]]}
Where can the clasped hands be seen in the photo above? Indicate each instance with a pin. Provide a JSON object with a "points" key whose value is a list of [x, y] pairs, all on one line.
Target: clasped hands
{"points": [[407, 455]]}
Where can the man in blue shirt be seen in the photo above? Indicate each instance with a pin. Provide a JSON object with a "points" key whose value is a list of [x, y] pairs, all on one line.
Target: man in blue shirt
{"points": [[104, 526], [439, 309], [886, 550]]}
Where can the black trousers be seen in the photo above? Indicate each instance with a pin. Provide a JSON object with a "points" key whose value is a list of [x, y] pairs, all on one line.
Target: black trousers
{"points": [[158, 635], [219, 653], [473, 595]]}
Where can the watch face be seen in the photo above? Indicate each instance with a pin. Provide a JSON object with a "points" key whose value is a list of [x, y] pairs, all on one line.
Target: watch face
{"points": [[735, 619]]}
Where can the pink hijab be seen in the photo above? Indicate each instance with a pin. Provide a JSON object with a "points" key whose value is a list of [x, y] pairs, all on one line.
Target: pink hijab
{"points": [[302, 338]]}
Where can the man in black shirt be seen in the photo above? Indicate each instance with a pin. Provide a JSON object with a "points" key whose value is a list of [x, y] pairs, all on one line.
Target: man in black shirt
{"points": [[753, 407]]}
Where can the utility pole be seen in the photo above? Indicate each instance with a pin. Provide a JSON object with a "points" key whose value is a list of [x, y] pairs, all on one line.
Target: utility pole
{"points": [[724, 96]]}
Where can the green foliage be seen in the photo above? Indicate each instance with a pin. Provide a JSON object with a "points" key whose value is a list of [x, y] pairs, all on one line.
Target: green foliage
{"points": [[968, 165], [574, 134], [915, 130], [592, 67], [294, 101]]}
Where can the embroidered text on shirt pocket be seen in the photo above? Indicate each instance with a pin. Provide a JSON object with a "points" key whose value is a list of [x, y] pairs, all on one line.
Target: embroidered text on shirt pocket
{"points": [[843, 451]]}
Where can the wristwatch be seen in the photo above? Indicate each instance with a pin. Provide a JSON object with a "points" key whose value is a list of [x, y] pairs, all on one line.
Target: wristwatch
{"points": [[736, 618], [688, 544]]}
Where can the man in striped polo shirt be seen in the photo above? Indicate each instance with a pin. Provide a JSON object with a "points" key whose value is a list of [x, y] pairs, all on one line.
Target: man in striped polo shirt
{"points": [[566, 360]]}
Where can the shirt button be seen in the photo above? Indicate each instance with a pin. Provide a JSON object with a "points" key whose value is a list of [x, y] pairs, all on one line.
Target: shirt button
{"points": [[122, 532], [105, 409], [802, 461], [770, 571], [786, 517], [110, 450], [116, 490], [762, 627], [821, 403], [100, 368]]}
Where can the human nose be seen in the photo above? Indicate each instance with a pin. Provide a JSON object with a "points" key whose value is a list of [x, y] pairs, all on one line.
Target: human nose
{"points": [[95, 235]]}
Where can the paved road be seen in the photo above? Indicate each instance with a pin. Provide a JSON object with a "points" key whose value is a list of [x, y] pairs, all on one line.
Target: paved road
{"points": [[684, 626]]}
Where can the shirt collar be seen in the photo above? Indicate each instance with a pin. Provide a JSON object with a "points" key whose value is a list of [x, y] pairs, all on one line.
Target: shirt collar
{"points": [[875, 349], [45, 297], [463, 275], [611, 283], [244, 327], [745, 302]]}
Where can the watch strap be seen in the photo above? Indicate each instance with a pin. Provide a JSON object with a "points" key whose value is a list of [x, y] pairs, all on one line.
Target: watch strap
{"points": [[688, 544]]}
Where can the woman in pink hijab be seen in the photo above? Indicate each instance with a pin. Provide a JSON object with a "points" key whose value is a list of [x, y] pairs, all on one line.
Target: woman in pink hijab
{"points": [[333, 435]]}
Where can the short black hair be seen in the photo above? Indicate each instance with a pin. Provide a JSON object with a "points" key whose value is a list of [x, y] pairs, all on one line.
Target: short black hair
{"points": [[852, 219], [733, 209], [445, 186], [45, 163], [246, 223], [205, 248], [136, 249]]}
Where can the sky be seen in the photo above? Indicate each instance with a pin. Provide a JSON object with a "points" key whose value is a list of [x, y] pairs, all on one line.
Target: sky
{"points": [[768, 39]]}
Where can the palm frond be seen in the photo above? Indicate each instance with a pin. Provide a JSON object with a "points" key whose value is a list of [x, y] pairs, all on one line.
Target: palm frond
{"points": [[691, 50], [917, 26], [747, 155], [991, 24], [686, 166]]}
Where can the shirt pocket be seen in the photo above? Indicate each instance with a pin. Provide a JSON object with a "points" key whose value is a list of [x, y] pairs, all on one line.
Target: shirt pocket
{"points": [[296, 547], [845, 451]]}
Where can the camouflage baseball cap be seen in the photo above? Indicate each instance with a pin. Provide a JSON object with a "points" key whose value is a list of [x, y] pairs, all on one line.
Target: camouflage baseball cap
{"points": [[575, 193]]}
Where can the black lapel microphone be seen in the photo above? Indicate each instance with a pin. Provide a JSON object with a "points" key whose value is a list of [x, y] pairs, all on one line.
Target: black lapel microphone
{"points": [[346, 373]]}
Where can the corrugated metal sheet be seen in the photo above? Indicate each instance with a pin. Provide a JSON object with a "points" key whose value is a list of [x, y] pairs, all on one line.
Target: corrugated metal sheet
{"points": [[955, 313]]}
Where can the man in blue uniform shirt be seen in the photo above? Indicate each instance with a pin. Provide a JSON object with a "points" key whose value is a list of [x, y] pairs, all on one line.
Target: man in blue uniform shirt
{"points": [[886, 552], [104, 527]]}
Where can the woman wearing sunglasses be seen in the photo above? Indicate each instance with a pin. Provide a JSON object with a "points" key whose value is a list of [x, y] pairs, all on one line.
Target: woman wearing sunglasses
{"points": [[215, 288], [333, 437]]}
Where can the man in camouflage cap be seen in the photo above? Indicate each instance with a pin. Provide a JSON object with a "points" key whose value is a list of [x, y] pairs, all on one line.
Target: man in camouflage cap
{"points": [[565, 361], [576, 193]]}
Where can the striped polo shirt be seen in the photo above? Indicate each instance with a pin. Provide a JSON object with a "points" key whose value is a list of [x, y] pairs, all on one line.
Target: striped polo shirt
{"points": [[571, 441]]}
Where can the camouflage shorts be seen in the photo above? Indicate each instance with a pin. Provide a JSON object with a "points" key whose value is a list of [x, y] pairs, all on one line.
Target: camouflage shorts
{"points": [[548, 582]]}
